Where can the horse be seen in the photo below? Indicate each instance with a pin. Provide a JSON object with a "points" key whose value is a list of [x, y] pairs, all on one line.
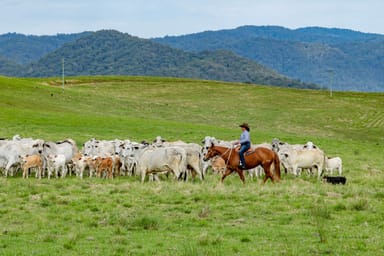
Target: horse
{"points": [[258, 156]]}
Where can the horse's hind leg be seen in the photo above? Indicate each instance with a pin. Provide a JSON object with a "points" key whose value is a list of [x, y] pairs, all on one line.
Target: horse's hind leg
{"points": [[268, 174], [241, 174]]}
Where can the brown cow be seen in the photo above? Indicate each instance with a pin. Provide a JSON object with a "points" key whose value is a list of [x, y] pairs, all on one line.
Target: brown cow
{"points": [[104, 164]]}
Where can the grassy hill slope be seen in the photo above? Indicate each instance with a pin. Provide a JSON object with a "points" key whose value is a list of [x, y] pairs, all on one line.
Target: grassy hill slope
{"points": [[298, 216], [270, 111]]}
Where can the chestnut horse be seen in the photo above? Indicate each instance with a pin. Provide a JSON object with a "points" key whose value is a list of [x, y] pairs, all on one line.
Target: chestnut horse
{"points": [[259, 156]]}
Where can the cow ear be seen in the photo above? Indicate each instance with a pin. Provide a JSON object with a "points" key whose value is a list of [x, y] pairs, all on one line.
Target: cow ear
{"points": [[162, 140]]}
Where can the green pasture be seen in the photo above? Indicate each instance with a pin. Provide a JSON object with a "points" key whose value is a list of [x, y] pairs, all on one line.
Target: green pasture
{"points": [[298, 216]]}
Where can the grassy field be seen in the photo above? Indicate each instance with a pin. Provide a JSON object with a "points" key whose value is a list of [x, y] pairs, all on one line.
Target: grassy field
{"points": [[299, 216]]}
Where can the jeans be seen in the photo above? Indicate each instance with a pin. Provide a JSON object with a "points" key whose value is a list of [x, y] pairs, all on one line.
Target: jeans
{"points": [[244, 147]]}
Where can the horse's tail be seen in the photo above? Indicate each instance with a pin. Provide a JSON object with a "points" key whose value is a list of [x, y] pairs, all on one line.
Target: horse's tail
{"points": [[276, 163]]}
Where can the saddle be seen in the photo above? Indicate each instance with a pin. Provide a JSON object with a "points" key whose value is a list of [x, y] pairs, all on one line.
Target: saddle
{"points": [[248, 152]]}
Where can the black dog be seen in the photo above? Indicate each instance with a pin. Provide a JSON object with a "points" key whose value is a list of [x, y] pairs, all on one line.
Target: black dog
{"points": [[335, 180]]}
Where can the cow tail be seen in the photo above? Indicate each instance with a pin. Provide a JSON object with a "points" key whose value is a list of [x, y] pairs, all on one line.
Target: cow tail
{"points": [[183, 166], [276, 163], [324, 164], [182, 170]]}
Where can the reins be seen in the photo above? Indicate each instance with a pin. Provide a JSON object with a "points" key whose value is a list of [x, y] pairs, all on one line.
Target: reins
{"points": [[230, 152]]}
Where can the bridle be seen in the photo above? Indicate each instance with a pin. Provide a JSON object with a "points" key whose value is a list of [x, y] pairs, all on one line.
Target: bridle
{"points": [[230, 152]]}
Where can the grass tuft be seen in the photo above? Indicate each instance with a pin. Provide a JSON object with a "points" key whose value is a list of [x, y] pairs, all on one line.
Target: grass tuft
{"points": [[360, 205], [70, 242], [147, 223], [204, 212]]}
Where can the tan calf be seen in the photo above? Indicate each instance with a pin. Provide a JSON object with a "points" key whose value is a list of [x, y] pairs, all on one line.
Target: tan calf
{"points": [[218, 165], [80, 163], [32, 161]]}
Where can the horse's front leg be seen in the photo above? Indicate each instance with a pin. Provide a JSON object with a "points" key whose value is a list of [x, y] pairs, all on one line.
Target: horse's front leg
{"points": [[226, 173]]}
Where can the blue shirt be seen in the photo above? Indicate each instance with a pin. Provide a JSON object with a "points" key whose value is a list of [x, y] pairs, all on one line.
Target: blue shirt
{"points": [[244, 137]]}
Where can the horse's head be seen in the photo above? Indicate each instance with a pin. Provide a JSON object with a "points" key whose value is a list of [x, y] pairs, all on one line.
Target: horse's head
{"points": [[211, 152]]}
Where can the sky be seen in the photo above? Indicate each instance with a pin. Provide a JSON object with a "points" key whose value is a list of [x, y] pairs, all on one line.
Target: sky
{"points": [[158, 18]]}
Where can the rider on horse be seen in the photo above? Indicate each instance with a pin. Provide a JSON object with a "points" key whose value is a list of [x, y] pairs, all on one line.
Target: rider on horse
{"points": [[245, 144]]}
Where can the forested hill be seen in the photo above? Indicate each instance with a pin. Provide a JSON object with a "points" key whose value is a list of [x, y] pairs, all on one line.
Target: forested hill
{"points": [[9, 68], [24, 49], [110, 52], [345, 59]]}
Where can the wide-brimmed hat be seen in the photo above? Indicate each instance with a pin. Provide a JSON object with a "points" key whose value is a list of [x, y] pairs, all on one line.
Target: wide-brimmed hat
{"points": [[246, 126]]}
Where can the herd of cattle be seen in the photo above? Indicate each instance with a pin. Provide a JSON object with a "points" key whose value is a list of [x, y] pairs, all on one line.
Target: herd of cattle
{"points": [[111, 158]]}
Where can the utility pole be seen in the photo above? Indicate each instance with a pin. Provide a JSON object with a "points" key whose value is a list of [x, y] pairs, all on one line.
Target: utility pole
{"points": [[62, 66], [330, 71]]}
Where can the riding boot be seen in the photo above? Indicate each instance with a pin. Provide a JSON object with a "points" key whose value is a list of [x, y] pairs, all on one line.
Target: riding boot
{"points": [[241, 166]]}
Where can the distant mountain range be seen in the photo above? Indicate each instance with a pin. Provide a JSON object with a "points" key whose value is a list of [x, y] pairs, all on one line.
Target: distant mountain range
{"points": [[303, 58], [24, 49], [343, 59], [109, 52]]}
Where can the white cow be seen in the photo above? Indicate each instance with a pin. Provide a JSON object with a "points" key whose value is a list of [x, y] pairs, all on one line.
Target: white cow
{"points": [[67, 148], [103, 148], [153, 160], [304, 159], [279, 146], [129, 154], [55, 164], [193, 154], [11, 150], [309, 145], [120, 146], [334, 163]]}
